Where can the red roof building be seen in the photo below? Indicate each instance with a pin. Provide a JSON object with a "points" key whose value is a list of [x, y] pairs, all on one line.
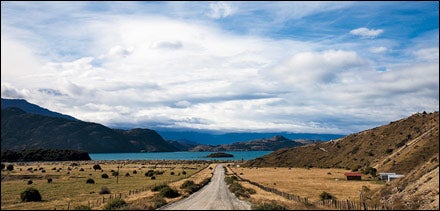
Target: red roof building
{"points": [[353, 175]]}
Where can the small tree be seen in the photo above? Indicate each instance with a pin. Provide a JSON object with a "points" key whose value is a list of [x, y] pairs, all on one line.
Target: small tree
{"points": [[105, 176], [30, 182], [324, 196], [30, 194], [90, 181], [104, 190], [10, 167], [49, 180], [135, 172], [97, 167]]}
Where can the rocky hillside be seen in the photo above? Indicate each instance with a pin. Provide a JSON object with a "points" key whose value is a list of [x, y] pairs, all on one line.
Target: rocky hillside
{"points": [[265, 144], [21, 130], [408, 146]]}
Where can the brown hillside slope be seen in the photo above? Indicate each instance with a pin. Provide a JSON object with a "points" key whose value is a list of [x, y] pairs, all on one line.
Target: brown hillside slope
{"points": [[408, 146], [399, 147]]}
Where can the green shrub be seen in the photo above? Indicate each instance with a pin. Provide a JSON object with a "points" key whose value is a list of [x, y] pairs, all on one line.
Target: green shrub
{"points": [[324, 196], [104, 190], [127, 174], [159, 187], [169, 192], [157, 201], [135, 172], [30, 194], [115, 174], [90, 181], [10, 167], [190, 186], [97, 167], [115, 204], [30, 182], [269, 206], [82, 207], [3, 166], [149, 173], [105, 176]]}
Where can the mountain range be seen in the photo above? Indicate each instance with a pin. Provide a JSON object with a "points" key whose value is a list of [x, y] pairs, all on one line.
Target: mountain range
{"points": [[29, 126]]}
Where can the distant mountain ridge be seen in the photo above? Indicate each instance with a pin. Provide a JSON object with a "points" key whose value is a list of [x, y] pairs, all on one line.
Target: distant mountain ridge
{"points": [[32, 108], [21, 130], [213, 138], [265, 144]]}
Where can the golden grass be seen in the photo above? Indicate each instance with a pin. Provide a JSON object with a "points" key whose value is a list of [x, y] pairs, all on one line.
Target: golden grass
{"points": [[72, 188], [308, 183]]}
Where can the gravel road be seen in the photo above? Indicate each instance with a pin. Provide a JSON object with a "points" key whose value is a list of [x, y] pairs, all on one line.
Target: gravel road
{"points": [[214, 196]]}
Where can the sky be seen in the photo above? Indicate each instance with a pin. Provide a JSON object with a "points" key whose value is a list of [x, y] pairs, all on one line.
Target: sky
{"points": [[300, 67]]}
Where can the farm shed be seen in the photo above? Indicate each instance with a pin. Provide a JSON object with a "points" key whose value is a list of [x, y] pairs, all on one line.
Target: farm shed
{"points": [[353, 175], [389, 176]]}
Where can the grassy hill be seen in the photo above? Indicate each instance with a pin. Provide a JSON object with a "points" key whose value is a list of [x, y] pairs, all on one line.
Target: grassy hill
{"points": [[398, 146], [409, 146]]}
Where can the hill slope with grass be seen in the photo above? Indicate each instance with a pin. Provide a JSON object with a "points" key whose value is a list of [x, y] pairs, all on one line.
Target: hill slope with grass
{"points": [[409, 146]]}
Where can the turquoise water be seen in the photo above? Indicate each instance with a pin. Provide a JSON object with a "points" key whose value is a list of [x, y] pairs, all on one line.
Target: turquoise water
{"points": [[238, 155]]}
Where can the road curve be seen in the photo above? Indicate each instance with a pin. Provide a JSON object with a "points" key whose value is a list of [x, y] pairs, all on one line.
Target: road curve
{"points": [[214, 196]]}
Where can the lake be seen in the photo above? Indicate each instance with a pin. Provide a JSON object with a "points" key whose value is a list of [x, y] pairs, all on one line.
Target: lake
{"points": [[238, 155]]}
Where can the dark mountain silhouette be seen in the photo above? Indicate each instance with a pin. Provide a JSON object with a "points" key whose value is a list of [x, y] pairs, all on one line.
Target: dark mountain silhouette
{"points": [[32, 108], [21, 130]]}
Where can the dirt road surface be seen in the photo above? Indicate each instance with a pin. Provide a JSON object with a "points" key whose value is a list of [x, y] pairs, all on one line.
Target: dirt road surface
{"points": [[214, 196]]}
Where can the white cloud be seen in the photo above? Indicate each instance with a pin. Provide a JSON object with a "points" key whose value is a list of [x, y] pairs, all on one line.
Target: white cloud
{"points": [[365, 32], [148, 70], [221, 9], [380, 49], [428, 54]]}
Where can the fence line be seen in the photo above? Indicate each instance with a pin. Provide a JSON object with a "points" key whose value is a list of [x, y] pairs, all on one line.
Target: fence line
{"points": [[331, 203]]}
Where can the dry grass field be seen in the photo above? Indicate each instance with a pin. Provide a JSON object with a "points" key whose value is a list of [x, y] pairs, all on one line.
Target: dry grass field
{"points": [[69, 181], [309, 183]]}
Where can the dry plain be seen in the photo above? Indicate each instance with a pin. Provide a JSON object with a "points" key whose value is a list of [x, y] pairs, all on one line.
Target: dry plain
{"points": [[69, 187], [311, 182]]}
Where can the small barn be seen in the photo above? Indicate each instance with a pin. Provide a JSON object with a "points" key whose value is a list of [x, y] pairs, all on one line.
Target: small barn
{"points": [[389, 176], [353, 175]]}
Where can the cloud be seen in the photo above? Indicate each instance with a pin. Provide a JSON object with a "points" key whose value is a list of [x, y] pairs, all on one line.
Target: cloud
{"points": [[428, 54], [144, 66], [365, 32], [380, 49], [221, 9]]}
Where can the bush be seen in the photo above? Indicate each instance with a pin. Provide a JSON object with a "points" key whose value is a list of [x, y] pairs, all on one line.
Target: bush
{"points": [[184, 172], [90, 181], [30, 194], [157, 201], [97, 167], [324, 196], [3, 166], [115, 174], [172, 173], [135, 172], [127, 174], [81, 169], [269, 206], [149, 173], [82, 207], [190, 186], [10, 167], [159, 187], [49, 180], [105, 176], [115, 204], [30, 182], [104, 190], [169, 192], [153, 177]]}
